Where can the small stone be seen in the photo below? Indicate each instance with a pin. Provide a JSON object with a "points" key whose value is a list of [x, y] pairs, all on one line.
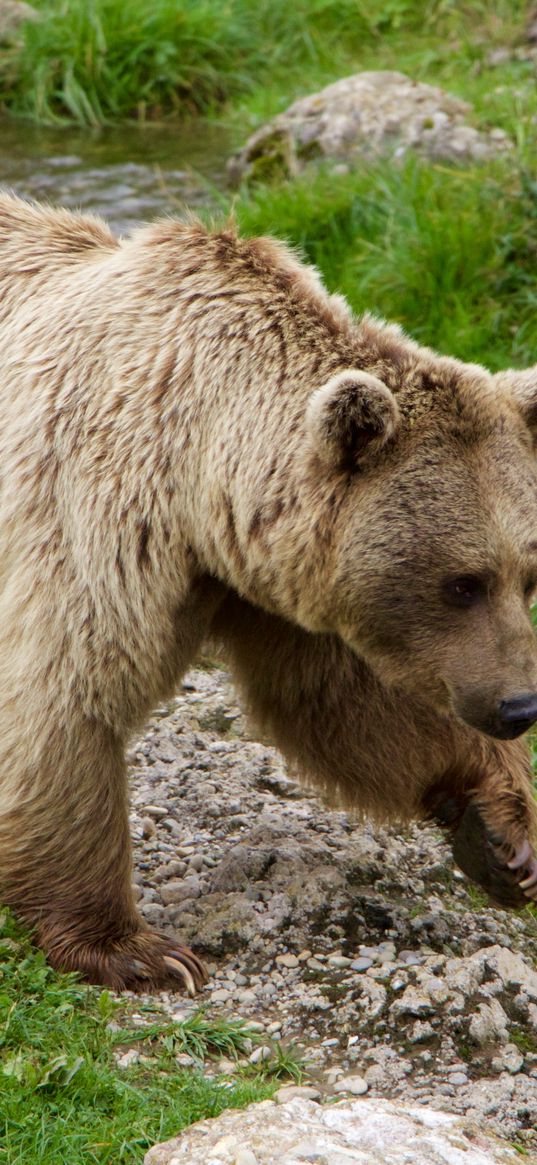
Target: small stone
{"points": [[220, 995], [356, 1085], [296, 1092], [489, 1024], [421, 1032], [178, 891], [510, 1060], [246, 1157], [411, 958], [458, 1079], [287, 960], [339, 961], [361, 964], [260, 1054], [127, 1059], [156, 811], [412, 1002], [149, 828]]}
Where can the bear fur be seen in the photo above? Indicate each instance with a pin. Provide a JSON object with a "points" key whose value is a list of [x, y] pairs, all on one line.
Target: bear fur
{"points": [[198, 442]]}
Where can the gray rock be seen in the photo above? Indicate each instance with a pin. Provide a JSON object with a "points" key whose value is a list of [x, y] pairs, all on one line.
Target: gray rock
{"points": [[13, 14], [510, 1060], [173, 891], [361, 964], [489, 1024], [365, 115], [412, 1002], [356, 1085]]}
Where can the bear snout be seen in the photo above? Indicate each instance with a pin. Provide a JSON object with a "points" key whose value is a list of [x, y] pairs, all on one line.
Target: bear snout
{"points": [[506, 719], [516, 715]]}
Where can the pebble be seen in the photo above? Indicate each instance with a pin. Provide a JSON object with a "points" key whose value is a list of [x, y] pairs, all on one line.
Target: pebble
{"points": [[361, 964], [356, 1085], [149, 828], [156, 811], [179, 891], [287, 960], [457, 1079], [221, 995], [260, 1054], [296, 1091], [510, 1060], [246, 1157], [209, 878]]}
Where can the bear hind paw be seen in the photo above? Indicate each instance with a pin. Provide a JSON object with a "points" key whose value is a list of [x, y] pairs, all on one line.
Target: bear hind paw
{"points": [[143, 961]]}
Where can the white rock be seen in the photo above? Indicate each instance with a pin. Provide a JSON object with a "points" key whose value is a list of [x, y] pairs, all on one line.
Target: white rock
{"points": [[287, 960], [246, 1157], [364, 1132], [260, 1054]]}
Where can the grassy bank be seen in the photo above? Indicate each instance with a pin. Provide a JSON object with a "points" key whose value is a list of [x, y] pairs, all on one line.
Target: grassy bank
{"points": [[63, 1098], [451, 255], [107, 60]]}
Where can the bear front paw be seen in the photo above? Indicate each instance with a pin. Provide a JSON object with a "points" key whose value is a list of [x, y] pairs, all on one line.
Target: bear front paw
{"points": [[508, 873], [143, 961]]}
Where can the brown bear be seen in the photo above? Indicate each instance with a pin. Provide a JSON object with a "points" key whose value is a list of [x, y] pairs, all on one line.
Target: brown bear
{"points": [[198, 441]]}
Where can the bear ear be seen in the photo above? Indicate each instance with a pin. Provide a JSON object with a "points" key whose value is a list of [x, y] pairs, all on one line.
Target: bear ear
{"points": [[351, 417], [522, 388]]}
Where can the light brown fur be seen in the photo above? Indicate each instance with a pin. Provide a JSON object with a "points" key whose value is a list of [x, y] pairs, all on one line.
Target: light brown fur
{"points": [[194, 443]]}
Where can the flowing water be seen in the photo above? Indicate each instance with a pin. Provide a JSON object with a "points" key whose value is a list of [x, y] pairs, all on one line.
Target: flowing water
{"points": [[127, 174]]}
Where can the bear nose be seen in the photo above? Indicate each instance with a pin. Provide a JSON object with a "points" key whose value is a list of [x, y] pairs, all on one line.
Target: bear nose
{"points": [[517, 715]]}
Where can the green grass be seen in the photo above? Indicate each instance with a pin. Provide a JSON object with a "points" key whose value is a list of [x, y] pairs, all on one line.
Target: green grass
{"points": [[451, 255], [63, 1099], [108, 60]]}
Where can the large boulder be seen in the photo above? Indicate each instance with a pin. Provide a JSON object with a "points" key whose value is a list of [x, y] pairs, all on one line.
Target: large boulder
{"points": [[368, 114], [13, 14], [366, 1132]]}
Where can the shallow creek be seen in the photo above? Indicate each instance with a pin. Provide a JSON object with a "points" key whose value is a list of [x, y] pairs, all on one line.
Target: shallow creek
{"points": [[127, 174]]}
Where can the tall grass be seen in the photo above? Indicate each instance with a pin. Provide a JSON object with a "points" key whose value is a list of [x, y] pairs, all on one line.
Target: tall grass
{"points": [[99, 61], [110, 59], [452, 255]]}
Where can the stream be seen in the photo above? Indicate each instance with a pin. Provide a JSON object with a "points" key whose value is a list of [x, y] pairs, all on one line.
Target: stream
{"points": [[128, 174]]}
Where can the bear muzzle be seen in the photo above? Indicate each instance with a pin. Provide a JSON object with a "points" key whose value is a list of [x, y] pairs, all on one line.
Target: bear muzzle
{"points": [[516, 715]]}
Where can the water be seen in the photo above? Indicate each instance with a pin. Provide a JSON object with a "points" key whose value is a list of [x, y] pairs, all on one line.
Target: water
{"points": [[128, 174]]}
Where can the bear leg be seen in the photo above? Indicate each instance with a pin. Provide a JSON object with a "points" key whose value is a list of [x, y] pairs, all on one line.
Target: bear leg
{"points": [[383, 753], [65, 867]]}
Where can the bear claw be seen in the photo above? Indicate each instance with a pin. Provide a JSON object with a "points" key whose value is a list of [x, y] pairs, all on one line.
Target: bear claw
{"points": [[522, 856], [143, 961], [188, 968]]}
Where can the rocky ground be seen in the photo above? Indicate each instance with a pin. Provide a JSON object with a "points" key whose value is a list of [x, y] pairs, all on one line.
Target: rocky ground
{"points": [[362, 946]]}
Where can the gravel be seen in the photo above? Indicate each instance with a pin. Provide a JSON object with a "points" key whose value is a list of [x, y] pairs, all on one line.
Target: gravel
{"points": [[359, 945]]}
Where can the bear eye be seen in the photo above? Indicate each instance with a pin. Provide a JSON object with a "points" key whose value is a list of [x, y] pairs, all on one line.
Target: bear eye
{"points": [[464, 591]]}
